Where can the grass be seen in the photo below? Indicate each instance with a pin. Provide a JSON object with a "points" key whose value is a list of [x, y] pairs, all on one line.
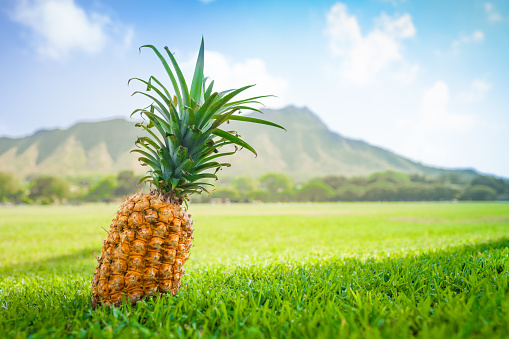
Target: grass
{"points": [[292, 270]]}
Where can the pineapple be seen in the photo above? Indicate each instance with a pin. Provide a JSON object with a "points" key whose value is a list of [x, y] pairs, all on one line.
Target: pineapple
{"points": [[149, 240]]}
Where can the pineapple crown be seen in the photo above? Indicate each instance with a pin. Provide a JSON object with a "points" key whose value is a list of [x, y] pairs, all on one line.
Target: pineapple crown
{"points": [[184, 137]]}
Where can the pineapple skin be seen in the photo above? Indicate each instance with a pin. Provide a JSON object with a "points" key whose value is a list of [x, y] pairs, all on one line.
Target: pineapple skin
{"points": [[145, 251]]}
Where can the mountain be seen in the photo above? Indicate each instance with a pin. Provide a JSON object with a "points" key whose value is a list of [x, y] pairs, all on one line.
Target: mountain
{"points": [[309, 149]]}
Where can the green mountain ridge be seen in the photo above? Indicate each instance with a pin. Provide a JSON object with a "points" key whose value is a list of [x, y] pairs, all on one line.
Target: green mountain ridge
{"points": [[309, 149]]}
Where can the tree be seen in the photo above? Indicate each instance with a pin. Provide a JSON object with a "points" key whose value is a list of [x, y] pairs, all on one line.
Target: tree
{"points": [[380, 194], [442, 192], [258, 195], [127, 183], [450, 178], [359, 181], [418, 178], [414, 192], [10, 188], [499, 185], [103, 190], [478, 193], [315, 191], [243, 185], [276, 183], [225, 193], [390, 177], [335, 181], [47, 189], [349, 193]]}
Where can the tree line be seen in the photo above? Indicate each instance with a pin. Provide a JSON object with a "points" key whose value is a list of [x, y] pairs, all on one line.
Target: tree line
{"points": [[383, 186], [47, 189], [272, 187]]}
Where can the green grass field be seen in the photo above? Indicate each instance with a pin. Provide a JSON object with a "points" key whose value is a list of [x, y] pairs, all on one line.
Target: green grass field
{"points": [[437, 270]]}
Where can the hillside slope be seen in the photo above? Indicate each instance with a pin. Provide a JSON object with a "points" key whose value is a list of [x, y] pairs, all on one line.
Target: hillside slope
{"points": [[307, 150]]}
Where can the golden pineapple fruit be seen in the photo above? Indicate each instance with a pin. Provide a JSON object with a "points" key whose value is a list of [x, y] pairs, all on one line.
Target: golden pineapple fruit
{"points": [[147, 245], [149, 239]]}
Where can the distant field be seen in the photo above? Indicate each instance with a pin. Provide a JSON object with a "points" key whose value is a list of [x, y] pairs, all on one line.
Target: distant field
{"points": [[276, 270]]}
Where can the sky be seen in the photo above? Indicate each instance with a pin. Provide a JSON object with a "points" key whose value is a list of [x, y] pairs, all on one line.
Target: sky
{"points": [[428, 80]]}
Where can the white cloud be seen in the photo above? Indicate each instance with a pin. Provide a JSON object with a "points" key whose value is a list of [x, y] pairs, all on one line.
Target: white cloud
{"points": [[435, 123], [407, 74], [476, 92], [363, 57], [61, 26], [229, 74], [207, 1], [395, 2], [477, 36], [435, 113], [493, 14]]}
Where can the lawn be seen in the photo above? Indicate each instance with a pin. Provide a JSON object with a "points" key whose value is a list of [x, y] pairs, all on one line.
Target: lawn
{"points": [[371, 270]]}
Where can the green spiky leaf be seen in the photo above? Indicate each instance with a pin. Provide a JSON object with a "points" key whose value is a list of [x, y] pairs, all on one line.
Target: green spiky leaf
{"points": [[183, 130]]}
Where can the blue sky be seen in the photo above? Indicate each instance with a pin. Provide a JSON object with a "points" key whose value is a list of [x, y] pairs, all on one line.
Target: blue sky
{"points": [[427, 80]]}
